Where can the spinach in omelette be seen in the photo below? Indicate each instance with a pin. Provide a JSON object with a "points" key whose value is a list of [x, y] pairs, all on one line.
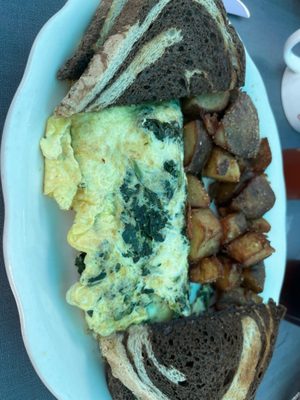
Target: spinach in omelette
{"points": [[121, 171]]}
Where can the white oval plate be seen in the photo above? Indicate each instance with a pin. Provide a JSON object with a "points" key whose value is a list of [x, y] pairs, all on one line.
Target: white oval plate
{"points": [[38, 260]]}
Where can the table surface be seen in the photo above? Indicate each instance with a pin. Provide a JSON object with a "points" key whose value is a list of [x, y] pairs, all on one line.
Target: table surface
{"points": [[264, 35]]}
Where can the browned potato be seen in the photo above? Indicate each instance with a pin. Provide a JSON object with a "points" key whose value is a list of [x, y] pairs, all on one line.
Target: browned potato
{"points": [[263, 158], [244, 165], [197, 195], [258, 164], [254, 277], [238, 131], [222, 166], [237, 297], [223, 211], [250, 249], [233, 225], [255, 199], [259, 225], [211, 123], [223, 192], [232, 275], [197, 147], [211, 102], [207, 270], [190, 140], [206, 234]]}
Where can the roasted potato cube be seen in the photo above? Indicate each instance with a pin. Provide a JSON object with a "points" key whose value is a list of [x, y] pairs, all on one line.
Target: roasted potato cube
{"points": [[237, 297], [190, 140], [255, 199], [211, 123], [206, 232], [223, 211], [254, 277], [207, 270], [250, 249], [197, 195], [263, 158], [211, 102], [259, 225], [233, 225], [197, 146], [222, 166], [223, 192], [244, 165], [232, 275], [238, 131]]}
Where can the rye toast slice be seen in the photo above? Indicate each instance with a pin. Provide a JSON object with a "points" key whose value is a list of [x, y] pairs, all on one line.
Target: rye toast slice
{"points": [[216, 356], [159, 50]]}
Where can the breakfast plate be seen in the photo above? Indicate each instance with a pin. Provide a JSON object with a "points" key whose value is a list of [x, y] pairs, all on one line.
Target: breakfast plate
{"points": [[38, 260]]}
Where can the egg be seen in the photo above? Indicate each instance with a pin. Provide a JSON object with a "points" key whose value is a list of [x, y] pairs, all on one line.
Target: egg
{"points": [[121, 171], [62, 172]]}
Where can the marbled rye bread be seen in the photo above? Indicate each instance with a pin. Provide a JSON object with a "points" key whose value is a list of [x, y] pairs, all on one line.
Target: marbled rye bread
{"points": [[220, 356]]}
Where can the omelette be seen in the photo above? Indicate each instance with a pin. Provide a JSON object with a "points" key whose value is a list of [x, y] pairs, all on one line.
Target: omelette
{"points": [[121, 171]]}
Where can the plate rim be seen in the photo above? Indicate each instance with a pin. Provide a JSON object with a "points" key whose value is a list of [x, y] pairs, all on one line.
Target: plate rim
{"points": [[4, 181]]}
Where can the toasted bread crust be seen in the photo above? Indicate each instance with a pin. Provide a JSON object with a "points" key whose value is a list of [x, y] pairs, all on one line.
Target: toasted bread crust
{"points": [[75, 66]]}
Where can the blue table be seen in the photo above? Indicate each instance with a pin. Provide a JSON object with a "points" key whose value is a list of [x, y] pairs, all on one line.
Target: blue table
{"points": [[264, 36]]}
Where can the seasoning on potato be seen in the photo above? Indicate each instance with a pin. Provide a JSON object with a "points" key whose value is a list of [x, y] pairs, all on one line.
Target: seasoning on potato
{"points": [[250, 249], [232, 275], [259, 225], [263, 158], [255, 199], [238, 131], [206, 234], [233, 225], [254, 277], [223, 192], [222, 166], [197, 195], [197, 146], [207, 270]]}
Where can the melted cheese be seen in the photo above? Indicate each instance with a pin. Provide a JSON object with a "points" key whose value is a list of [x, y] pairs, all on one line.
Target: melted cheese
{"points": [[122, 173]]}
